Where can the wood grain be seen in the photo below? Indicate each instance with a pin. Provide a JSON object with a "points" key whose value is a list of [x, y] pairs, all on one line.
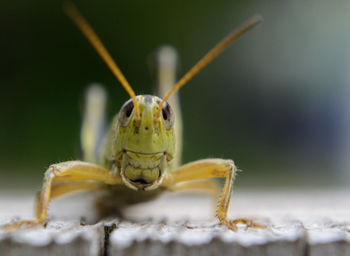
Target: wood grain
{"points": [[300, 223]]}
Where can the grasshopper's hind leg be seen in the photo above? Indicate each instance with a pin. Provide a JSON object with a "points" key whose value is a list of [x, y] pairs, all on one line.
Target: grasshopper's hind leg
{"points": [[66, 171], [167, 62], [210, 168], [93, 126]]}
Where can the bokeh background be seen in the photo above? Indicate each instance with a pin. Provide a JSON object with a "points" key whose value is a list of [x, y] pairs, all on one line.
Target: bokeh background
{"points": [[277, 101]]}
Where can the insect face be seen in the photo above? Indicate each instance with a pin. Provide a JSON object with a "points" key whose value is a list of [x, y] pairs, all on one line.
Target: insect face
{"points": [[144, 144]]}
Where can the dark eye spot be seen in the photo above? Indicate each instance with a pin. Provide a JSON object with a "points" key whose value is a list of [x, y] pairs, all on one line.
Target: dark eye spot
{"points": [[125, 112], [165, 114], [128, 108]]}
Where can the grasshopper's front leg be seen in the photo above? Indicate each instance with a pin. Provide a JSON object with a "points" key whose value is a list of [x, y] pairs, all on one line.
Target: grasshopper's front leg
{"points": [[66, 171], [210, 168]]}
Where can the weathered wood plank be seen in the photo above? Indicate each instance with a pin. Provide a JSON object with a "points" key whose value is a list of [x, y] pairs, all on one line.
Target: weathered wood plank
{"points": [[298, 223], [293, 219], [214, 239], [58, 238], [329, 239]]}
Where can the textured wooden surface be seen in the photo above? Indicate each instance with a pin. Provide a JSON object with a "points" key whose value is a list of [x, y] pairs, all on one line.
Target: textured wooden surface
{"points": [[298, 223], [58, 238]]}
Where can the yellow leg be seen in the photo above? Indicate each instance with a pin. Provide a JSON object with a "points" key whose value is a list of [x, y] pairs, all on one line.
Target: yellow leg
{"points": [[69, 187], [209, 168], [72, 170], [63, 188]]}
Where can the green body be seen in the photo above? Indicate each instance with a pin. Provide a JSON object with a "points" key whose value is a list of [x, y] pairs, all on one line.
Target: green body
{"points": [[140, 149]]}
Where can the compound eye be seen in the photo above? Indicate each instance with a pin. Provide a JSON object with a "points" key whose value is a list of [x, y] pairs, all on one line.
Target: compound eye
{"points": [[125, 112], [168, 116]]}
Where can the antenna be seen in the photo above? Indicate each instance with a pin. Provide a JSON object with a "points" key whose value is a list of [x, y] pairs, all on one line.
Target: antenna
{"points": [[215, 51], [73, 13]]}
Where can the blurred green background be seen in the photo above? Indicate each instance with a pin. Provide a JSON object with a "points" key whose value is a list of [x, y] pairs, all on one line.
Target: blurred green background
{"points": [[277, 101]]}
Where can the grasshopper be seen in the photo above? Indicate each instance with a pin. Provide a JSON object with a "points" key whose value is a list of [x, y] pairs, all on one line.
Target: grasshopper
{"points": [[138, 159]]}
